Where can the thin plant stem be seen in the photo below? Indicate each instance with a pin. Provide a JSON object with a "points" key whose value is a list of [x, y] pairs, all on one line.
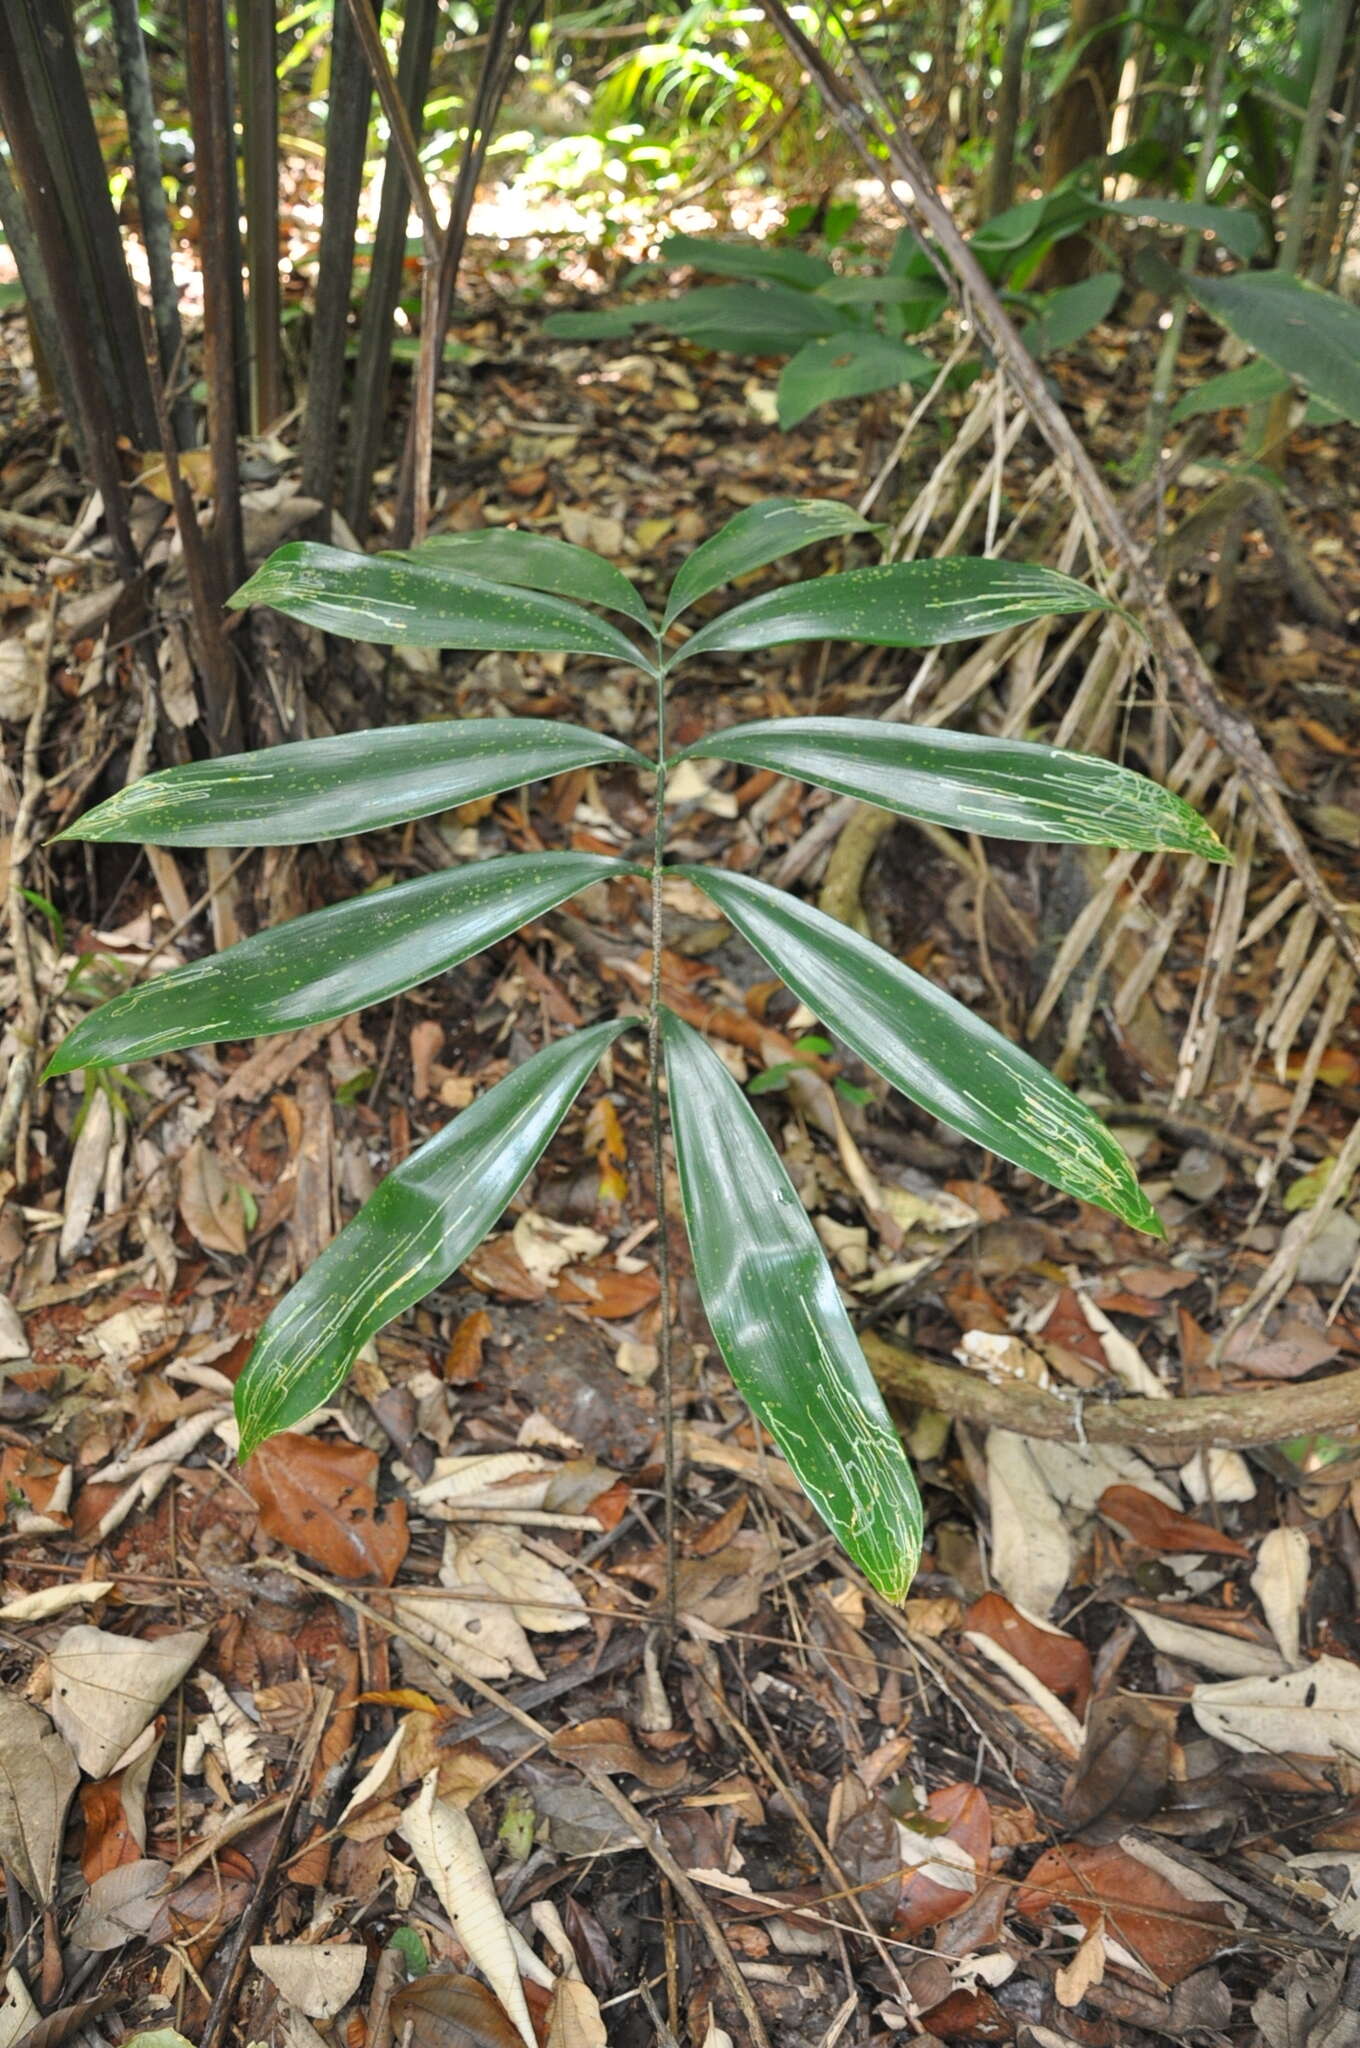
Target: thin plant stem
{"points": [[665, 1367]]}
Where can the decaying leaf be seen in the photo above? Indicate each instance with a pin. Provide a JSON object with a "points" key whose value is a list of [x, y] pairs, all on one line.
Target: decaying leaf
{"points": [[608, 1745], [944, 1865], [1157, 1527], [18, 2013], [1312, 1712], [1125, 1766], [123, 1905], [447, 1849], [1031, 1547], [447, 2010], [213, 1208], [105, 1688], [1280, 1582], [38, 1775], [540, 1595], [1171, 1935], [1058, 1660], [318, 1497], [318, 1979]]}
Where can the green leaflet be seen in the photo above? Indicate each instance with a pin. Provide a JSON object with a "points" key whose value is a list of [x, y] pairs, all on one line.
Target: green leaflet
{"points": [[537, 561], [931, 1047], [416, 1229], [356, 782], [748, 259], [761, 534], [1312, 335], [1253, 384], [898, 604], [399, 600], [332, 961], [779, 1320], [847, 365], [1010, 789]]}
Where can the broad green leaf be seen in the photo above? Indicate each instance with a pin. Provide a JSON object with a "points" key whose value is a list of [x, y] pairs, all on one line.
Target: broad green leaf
{"points": [[761, 260], [395, 601], [332, 961], [416, 1229], [887, 290], [537, 561], [897, 604], [779, 1321], [1067, 315], [1008, 789], [355, 782], [847, 365], [762, 533], [931, 1047], [1310, 334], [1254, 384], [748, 319], [1236, 227]]}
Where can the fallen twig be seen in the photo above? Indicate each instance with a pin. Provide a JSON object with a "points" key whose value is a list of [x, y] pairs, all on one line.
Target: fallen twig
{"points": [[1265, 1415]]}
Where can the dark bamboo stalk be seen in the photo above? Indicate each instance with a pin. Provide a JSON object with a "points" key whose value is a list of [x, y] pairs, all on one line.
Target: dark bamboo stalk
{"points": [[140, 108], [506, 38], [369, 407], [44, 56], [54, 371], [210, 117], [216, 669], [1010, 93], [34, 174], [346, 138], [256, 32]]}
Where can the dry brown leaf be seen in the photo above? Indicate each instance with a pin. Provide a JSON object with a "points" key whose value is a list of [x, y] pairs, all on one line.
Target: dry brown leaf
{"points": [[1058, 1660], [447, 1849], [317, 1979], [607, 1745], [1170, 1934], [959, 1816], [1151, 1523], [213, 1208], [106, 1688], [38, 1774], [318, 1498], [447, 2010], [1125, 1766]]}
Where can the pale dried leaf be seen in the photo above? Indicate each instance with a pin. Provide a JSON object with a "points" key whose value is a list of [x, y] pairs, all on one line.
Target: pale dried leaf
{"points": [[447, 1849], [50, 1600], [1209, 1648], [1280, 1583], [17, 2011], [38, 1777], [574, 2016], [1031, 1548], [1085, 1971], [231, 1734], [123, 1905], [318, 1979], [105, 1688], [211, 1206], [542, 1597], [85, 1175], [545, 1247], [1313, 1712]]}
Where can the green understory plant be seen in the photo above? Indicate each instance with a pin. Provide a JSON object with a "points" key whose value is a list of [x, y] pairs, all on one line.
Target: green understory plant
{"points": [[764, 1280]]}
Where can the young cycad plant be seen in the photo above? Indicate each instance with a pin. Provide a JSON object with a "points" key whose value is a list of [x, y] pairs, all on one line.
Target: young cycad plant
{"points": [[765, 1283]]}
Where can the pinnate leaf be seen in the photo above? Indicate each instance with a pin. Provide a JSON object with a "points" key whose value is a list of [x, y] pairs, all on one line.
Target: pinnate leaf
{"points": [[779, 1320], [897, 604], [931, 1047], [355, 782], [1009, 789], [400, 600], [755, 536], [332, 961], [416, 1229]]}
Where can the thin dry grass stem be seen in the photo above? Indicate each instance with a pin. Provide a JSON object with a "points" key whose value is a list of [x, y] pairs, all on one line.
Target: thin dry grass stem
{"points": [[15, 1103], [1330, 1018], [1278, 1277], [903, 442], [1200, 1041]]}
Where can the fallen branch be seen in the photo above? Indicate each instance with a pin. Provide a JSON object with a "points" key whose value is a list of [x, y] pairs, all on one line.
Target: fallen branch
{"points": [[1169, 1429], [907, 180]]}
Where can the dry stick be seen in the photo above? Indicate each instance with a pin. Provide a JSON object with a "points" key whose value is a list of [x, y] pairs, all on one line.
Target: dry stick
{"points": [[399, 122], [1172, 1428], [650, 1837], [148, 172], [214, 141], [257, 38], [220, 2011], [29, 1020], [914, 192], [217, 671]]}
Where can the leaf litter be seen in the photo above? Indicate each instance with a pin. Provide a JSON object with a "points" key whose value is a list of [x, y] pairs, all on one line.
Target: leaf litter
{"points": [[1120, 1664]]}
